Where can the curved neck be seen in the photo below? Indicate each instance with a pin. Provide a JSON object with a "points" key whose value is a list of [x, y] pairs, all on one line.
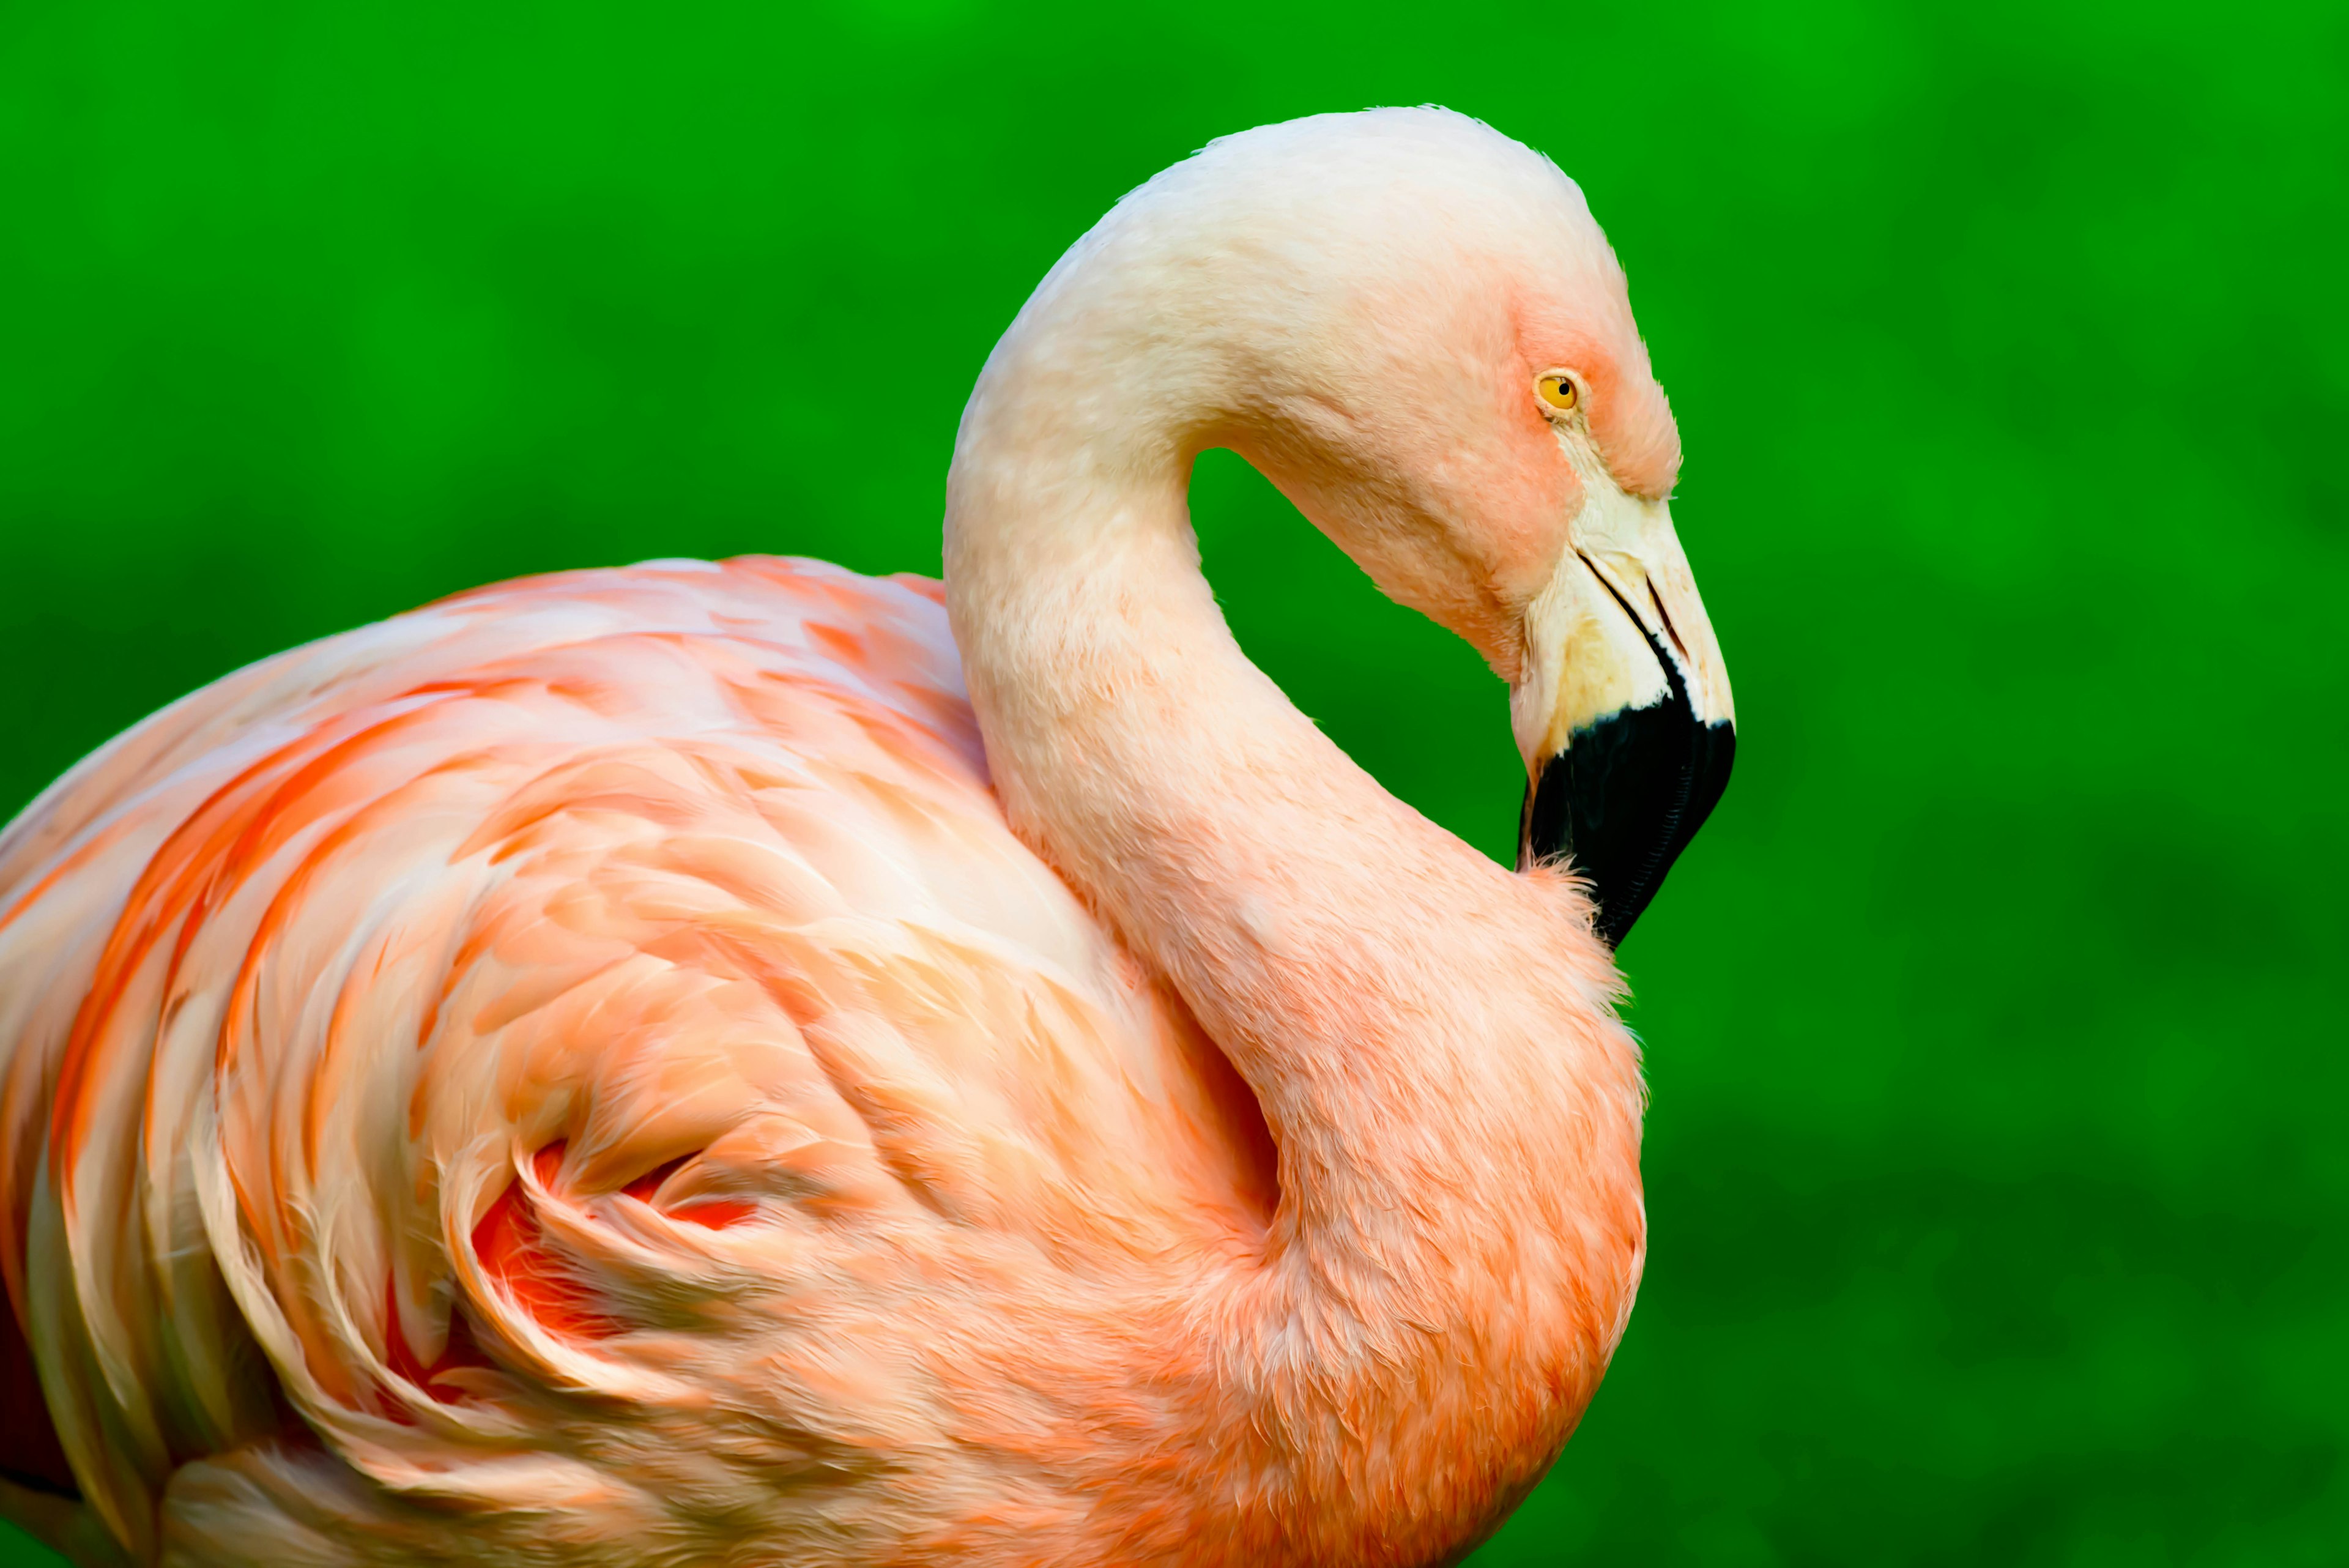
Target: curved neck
{"points": [[1431, 1037]]}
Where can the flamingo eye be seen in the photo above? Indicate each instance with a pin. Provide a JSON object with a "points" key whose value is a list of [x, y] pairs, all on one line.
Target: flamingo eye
{"points": [[1559, 391]]}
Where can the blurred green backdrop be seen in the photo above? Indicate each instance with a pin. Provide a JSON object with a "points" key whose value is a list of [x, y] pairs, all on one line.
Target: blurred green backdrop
{"points": [[1996, 1166]]}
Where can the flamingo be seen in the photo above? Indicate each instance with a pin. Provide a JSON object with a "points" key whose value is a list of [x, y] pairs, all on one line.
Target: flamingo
{"points": [[749, 1063]]}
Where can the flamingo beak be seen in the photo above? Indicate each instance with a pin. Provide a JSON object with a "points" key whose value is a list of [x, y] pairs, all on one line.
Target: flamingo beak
{"points": [[1623, 712]]}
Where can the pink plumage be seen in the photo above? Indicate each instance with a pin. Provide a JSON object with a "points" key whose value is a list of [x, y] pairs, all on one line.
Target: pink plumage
{"points": [[639, 1065]]}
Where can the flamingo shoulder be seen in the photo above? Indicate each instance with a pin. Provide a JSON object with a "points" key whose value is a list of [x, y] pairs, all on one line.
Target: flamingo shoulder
{"points": [[565, 999]]}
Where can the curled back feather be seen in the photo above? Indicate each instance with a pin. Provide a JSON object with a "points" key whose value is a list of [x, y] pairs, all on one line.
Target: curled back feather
{"points": [[580, 1054]]}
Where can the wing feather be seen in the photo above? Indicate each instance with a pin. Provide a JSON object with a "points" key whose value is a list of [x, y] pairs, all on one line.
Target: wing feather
{"points": [[488, 1028]]}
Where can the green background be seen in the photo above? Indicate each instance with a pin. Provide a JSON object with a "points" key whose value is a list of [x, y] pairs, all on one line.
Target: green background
{"points": [[1996, 1166]]}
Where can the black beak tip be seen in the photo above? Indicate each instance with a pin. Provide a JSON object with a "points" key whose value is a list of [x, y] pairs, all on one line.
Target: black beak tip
{"points": [[1624, 799]]}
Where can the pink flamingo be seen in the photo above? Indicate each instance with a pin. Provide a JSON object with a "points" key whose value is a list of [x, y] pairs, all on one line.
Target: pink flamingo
{"points": [[753, 1063]]}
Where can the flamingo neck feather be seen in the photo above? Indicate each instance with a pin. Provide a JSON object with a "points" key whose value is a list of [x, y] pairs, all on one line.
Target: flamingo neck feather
{"points": [[1431, 1038]]}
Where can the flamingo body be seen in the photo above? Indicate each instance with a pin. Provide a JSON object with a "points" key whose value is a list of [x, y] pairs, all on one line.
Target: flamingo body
{"points": [[708, 956], [750, 1064]]}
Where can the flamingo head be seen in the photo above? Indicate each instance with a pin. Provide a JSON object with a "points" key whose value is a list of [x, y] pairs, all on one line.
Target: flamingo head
{"points": [[1414, 327]]}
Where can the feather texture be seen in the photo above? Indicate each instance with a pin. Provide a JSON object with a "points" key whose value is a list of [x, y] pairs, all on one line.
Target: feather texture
{"points": [[750, 1064], [492, 1026]]}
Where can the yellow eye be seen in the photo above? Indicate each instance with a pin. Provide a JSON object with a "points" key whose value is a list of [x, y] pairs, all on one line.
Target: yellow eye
{"points": [[1559, 391]]}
